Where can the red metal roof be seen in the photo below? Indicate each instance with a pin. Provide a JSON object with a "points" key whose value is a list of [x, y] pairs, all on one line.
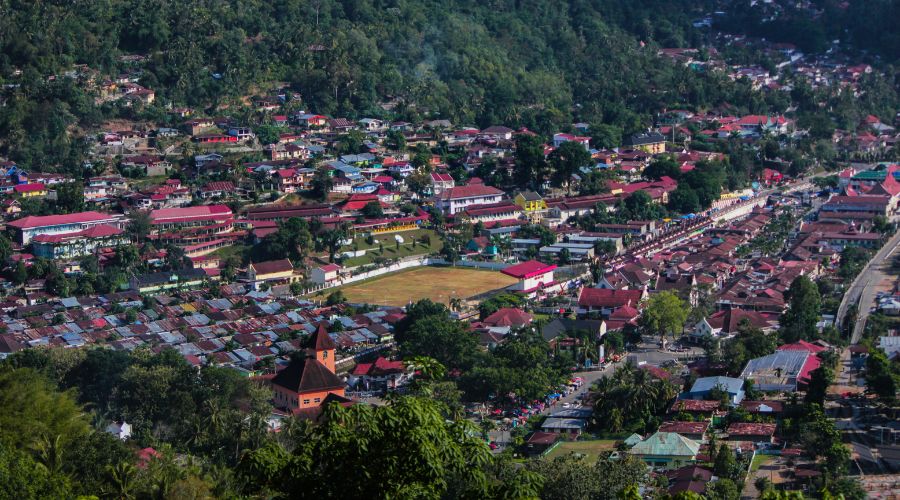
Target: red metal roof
{"points": [[188, 214], [528, 269], [35, 221]]}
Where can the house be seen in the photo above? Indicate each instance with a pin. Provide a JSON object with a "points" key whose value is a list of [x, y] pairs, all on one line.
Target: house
{"points": [[532, 276], [751, 431], [311, 121], [325, 274], [567, 326], [691, 430], [530, 201], [508, 316], [456, 199], [539, 442], [371, 124], [498, 132], [689, 478], [120, 430], [198, 125], [217, 189], [560, 139], [726, 323], [151, 165], [606, 301], [380, 374], [699, 408], [272, 272], [30, 190], [666, 449], [242, 133], [703, 387], [28, 227], [441, 182], [651, 142], [763, 407], [559, 425], [309, 378]]}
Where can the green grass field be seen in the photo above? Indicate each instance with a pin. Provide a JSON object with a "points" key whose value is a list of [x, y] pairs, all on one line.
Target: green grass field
{"points": [[759, 461], [590, 449], [439, 284]]}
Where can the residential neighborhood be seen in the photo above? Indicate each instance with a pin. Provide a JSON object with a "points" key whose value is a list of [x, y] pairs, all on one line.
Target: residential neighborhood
{"points": [[253, 278]]}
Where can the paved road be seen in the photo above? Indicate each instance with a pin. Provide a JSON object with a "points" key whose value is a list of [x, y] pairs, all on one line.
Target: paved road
{"points": [[864, 288]]}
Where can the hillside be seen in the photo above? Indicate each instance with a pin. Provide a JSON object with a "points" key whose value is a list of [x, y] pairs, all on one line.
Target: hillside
{"points": [[531, 63]]}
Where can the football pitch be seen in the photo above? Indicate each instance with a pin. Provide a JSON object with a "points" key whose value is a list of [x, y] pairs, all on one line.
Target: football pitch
{"points": [[439, 284]]}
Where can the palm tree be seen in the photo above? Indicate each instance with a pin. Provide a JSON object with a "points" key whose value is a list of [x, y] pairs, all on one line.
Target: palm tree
{"points": [[428, 368], [50, 453], [121, 479]]}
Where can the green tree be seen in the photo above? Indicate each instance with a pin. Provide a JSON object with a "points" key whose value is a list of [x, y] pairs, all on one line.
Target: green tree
{"points": [[139, 225], [321, 184], [372, 210], [531, 166], [566, 160], [665, 314], [348, 451], [336, 297], [723, 489], [799, 321], [662, 167], [819, 381]]}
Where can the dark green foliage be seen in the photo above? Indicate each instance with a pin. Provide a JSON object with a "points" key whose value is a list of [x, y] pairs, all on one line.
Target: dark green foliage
{"points": [[631, 400], [799, 321]]}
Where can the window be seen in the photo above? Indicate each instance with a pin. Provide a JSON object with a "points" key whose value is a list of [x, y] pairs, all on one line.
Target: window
{"points": [[324, 354], [318, 400], [306, 401]]}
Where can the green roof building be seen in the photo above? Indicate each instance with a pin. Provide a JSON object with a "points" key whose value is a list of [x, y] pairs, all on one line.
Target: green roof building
{"points": [[667, 449]]}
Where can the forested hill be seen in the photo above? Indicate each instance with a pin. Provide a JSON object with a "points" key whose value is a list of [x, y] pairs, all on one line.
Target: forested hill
{"points": [[535, 63]]}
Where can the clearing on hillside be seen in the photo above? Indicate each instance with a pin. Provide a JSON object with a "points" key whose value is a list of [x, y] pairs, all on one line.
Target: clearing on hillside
{"points": [[439, 284]]}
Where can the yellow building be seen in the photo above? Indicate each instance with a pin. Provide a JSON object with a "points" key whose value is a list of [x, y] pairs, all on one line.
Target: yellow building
{"points": [[30, 190], [651, 142], [272, 272], [530, 201]]}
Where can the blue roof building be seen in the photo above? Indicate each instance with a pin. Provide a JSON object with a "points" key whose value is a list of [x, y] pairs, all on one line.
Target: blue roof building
{"points": [[704, 386]]}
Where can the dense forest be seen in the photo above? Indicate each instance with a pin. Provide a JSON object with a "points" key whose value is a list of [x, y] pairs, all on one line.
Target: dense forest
{"points": [[530, 63], [866, 26]]}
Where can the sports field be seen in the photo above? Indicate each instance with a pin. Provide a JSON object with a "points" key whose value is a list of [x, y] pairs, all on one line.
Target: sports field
{"points": [[439, 284]]}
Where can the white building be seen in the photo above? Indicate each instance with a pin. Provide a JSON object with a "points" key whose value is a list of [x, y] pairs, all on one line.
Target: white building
{"points": [[456, 199]]}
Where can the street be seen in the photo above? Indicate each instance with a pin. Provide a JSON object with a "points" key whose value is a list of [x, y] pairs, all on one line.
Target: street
{"points": [[864, 288]]}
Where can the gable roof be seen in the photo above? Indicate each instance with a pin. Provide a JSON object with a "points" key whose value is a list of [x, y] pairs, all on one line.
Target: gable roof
{"points": [[272, 266], [528, 269], [469, 191], [35, 221], [306, 374], [604, 297], [508, 316], [728, 384], [667, 444]]}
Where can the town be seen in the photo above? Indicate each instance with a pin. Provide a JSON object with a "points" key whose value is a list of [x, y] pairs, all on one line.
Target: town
{"points": [[265, 296]]}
